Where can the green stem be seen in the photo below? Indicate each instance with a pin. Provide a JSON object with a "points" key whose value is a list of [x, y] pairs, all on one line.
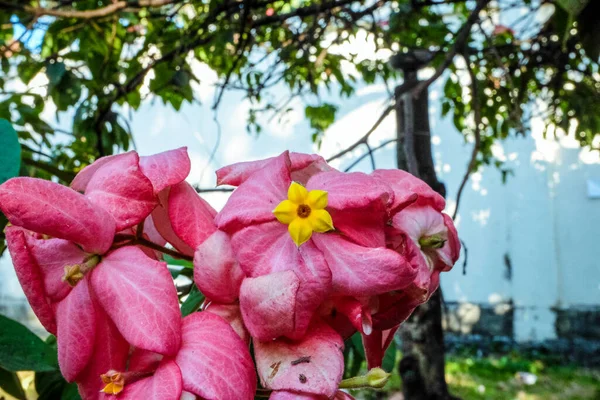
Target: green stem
{"points": [[132, 241]]}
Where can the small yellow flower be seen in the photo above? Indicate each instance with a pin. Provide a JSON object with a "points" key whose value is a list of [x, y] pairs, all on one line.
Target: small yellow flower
{"points": [[304, 213]]}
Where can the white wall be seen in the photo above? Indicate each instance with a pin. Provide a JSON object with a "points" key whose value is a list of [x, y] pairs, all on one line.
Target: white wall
{"points": [[541, 219]]}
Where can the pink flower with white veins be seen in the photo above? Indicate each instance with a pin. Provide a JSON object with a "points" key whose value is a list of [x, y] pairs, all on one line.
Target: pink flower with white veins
{"points": [[298, 244], [212, 363], [60, 244]]}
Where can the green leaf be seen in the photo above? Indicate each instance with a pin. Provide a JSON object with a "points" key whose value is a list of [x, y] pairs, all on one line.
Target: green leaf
{"points": [[10, 151], [573, 7], [193, 301], [49, 385], [389, 359], [178, 261], [10, 383], [22, 350]]}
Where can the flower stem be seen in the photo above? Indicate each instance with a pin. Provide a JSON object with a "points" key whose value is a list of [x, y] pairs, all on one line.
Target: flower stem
{"points": [[132, 240]]}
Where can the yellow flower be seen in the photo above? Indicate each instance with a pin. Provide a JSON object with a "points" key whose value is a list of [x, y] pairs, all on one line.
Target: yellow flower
{"points": [[304, 213]]}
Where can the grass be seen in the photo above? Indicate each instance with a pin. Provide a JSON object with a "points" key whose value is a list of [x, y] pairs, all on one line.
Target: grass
{"points": [[495, 378]]}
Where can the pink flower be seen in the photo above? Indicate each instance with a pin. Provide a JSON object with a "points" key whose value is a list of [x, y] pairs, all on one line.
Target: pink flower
{"points": [[290, 274], [212, 363], [61, 248]]}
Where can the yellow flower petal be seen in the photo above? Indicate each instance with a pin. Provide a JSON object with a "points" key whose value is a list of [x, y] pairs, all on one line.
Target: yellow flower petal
{"points": [[320, 221], [297, 193], [285, 212], [317, 199], [300, 230]]}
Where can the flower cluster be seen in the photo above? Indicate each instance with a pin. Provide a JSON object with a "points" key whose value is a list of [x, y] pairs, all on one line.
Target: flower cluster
{"points": [[301, 257]]}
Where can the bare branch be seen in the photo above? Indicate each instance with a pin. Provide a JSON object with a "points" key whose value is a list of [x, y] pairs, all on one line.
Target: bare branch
{"points": [[369, 154]]}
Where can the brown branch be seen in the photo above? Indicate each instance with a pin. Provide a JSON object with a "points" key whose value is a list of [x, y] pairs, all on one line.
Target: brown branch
{"points": [[84, 14], [369, 153], [459, 43], [133, 241], [66, 176], [476, 106]]}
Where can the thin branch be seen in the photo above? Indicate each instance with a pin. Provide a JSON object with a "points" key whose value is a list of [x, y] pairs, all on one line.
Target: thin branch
{"points": [[369, 154], [133, 241], [66, 176], [365, 137], [213, 190], [476, 106]]}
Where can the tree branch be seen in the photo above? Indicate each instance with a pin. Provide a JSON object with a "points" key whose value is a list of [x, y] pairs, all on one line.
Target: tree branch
{"points": [[84, 14], [369, 153]]}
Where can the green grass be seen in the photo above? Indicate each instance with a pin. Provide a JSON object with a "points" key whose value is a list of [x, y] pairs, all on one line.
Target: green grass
{"points": [[494, 378]]}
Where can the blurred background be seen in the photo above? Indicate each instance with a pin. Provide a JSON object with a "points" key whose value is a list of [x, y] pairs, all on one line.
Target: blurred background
{"points": [[494, 103]]}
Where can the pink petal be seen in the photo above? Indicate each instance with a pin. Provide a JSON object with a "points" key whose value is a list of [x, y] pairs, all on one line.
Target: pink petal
{"points": [[164, 384], [268, 304], [215, 363], [76, 321], [343, 396], [282, 365], [352, 190], [417, 221], [123, 190], [110, 353], [373, 349], [52, 255], [162, 223], [30, 276], [143, 360], [405, 186], [139, 295], [55, 210], [232, 314], [451, 251], [192, 218], [363, 227], [167, 168], [285, 395], [216, 270], [363, 271], [254, 201], [302, 166], [82, 179], [376, 344], [267, 248]]}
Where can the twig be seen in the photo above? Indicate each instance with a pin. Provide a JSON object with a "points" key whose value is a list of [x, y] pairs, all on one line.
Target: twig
{"points": [[213, 190], [133, 241], [371, 151], [364, 138], [476, 106]]}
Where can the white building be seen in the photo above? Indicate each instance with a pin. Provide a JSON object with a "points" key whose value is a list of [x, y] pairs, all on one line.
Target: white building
{"points": [[532, 242]]}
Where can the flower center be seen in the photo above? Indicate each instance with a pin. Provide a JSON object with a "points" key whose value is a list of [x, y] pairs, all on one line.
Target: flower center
{"points": [[75, 273], [303, 211], [114, 382]]}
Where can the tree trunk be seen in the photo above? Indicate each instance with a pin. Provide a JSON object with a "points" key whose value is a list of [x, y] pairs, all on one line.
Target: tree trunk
{"points": [[423, 365]]}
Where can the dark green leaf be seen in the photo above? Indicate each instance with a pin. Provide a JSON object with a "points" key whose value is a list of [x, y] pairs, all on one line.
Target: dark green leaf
{"points": [[178, 261], [10, 383], [22, 350], [49, 385], [193, 301], [10, 151]]}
